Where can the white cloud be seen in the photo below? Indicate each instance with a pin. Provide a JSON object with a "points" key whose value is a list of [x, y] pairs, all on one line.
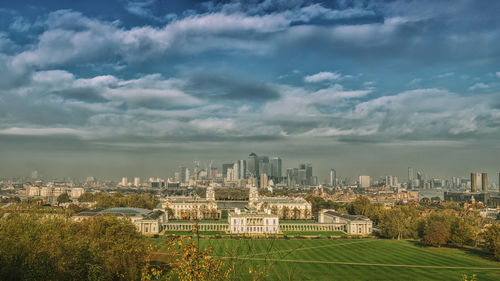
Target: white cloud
{"points": [[479, 86], [323, 76], [498, 74], [16, 131]]}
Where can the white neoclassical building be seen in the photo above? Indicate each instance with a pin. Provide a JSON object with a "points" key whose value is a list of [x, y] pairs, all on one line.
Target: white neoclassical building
{"points": [[146, 221], [185, 207], [284, 207], [353, 224], [248, 222]]}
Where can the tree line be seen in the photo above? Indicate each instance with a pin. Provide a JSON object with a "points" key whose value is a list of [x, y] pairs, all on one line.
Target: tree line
{"points": [[434, 224]]}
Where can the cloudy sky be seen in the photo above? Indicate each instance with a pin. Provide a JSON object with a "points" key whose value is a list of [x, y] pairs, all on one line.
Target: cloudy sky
{"points": [[112, 88]]}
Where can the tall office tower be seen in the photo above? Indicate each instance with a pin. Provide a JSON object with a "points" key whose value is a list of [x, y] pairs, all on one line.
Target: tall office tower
{"points": [[213, 172], [289, 177], [177, 176], [301, 175], [236, 171], [410, 176], [276, 168], [364, 181], [473, 182], [309, 174], [264, 165], [484, 182], [188, 176], [253, 165], [229, 174], [137, 181], [421, 180], [124, 181], [295, 176], [243, 169], [182, 174], [225, 167], [388, 181], [333, 178]]}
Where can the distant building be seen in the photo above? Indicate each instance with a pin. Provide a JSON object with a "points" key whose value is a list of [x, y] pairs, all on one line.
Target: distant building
{"points": [[353, 224], [276, 168], [124, 181], [333, 178], [186, 207], [76, 192], [253, 222], [284, 207], [364, 181], [137, 181], [146, 221], [253, 165]]}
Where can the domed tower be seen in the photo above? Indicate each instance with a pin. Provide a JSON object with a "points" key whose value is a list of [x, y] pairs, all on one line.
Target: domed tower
{"points": [[253, 197], [210, 193]]}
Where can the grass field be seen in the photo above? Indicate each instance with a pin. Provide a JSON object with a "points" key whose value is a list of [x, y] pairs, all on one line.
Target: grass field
{"points": [[348, 259], [315, 233]]}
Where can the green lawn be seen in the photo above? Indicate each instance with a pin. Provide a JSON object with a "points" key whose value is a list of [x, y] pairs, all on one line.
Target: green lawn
{"points": [[315, 233], [371, 259]]}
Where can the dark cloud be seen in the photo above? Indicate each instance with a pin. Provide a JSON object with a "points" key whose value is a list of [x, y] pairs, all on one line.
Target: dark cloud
{"points": [[231, 88]]}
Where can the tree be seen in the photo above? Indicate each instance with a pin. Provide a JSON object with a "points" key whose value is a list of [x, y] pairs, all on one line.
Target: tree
{"points": [[492, 239], [40, 247], [394, 224], [63, 198], [360, 206], [462, 233], [285, 212], [296, 213], [437, 230]]}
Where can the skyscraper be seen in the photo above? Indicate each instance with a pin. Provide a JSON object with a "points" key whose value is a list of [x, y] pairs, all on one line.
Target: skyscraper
{"points": [[289, 177], [253, 165], [225, 167], [276, 168], [309, 174], [137, 181], [264, 165], [182, 174], [243, 169], [333, 178], [410, 176], [124, 181]]}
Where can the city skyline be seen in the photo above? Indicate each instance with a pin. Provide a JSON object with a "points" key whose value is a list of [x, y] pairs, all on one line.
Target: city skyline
{"points": [[142, 87]]}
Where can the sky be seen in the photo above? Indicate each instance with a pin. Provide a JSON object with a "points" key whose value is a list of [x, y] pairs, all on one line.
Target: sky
{"points": [[137, 88]]}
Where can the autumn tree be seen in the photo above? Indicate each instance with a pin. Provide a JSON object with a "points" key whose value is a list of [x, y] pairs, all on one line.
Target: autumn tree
{"points": [[437, 230]]}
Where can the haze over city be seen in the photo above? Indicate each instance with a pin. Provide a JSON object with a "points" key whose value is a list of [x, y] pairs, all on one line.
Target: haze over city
{"points": [[140, 87]]}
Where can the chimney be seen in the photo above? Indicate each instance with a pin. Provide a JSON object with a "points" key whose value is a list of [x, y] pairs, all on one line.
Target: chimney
{"points": [[484, 181], [473, 182]]}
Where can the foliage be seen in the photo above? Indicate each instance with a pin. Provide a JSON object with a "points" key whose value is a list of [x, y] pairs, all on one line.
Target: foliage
{"points": [[193, 263], [37, 246], [318, 203], [63, 198], [437, 230], [462, 233], [399, 222], [492, 238], [106, 201]]}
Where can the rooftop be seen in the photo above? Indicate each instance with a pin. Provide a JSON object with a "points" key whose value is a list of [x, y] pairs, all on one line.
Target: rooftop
{"points": [[346, 216]]}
